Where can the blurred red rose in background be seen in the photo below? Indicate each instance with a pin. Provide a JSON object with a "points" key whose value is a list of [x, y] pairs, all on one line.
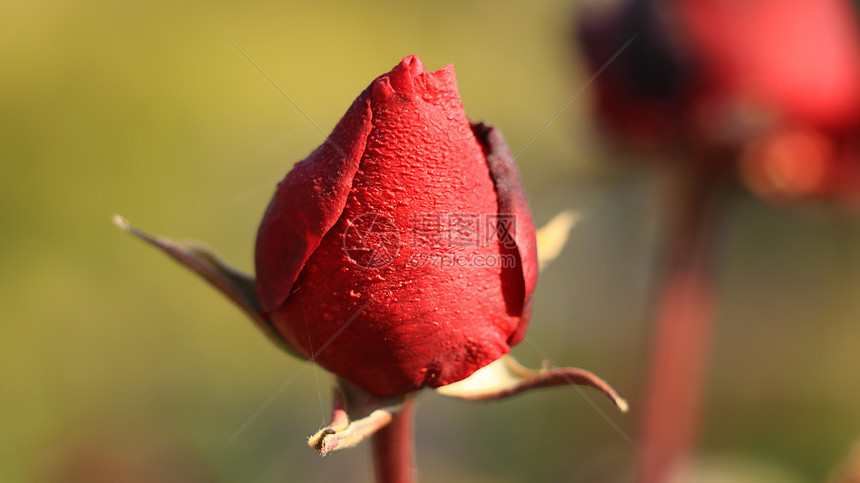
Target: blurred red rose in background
{"points": [[765, 89]]}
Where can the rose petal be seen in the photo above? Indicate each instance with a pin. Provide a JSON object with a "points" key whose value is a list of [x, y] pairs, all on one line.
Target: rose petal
{"points": [[512, 200], [311, 199], [237, 286]]}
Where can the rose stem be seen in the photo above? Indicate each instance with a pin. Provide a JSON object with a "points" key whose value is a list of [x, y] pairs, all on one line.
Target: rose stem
{"points": [[681, 344], [394, 448]]}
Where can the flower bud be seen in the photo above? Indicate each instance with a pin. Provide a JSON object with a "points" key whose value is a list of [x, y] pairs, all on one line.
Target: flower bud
{"points": [[401, 253]]}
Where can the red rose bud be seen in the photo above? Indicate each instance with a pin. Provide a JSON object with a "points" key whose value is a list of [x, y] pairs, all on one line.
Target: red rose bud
{"points": [[401, 253]]}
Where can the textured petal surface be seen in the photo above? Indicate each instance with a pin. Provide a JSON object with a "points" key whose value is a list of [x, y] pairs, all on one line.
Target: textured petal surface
{"points": [[307, 203]]}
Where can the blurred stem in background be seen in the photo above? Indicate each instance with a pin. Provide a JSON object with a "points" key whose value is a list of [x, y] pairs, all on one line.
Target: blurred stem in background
{"points": [[681, 347], [764, 93]]}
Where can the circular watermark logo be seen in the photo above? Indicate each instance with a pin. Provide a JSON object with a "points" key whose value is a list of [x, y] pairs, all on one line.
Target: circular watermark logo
{"points": [[371, 240]]}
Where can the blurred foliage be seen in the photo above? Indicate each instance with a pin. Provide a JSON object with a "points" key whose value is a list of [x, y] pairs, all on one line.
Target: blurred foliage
{"points": [[114, 361]]}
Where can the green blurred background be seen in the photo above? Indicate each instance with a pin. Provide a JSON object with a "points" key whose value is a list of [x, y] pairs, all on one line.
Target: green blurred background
{"points": [[115, 361]]}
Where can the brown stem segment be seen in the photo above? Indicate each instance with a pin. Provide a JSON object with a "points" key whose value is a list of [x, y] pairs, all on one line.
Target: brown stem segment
{"points": [[356, 416], [684, 319], [394, 448]]}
